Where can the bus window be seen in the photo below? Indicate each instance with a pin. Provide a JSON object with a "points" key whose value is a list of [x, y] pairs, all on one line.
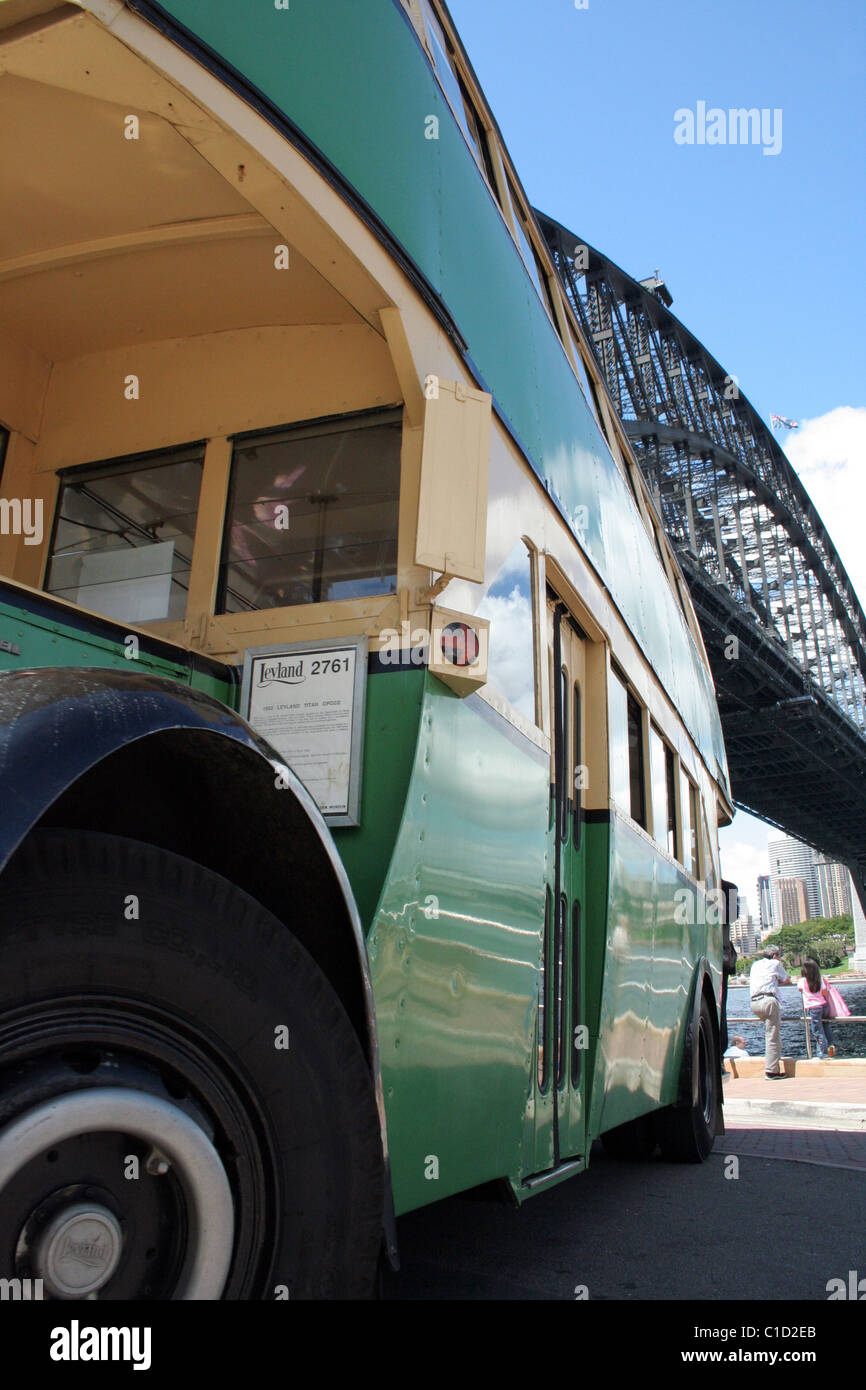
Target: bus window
{"points": [[635, 761], [663, 798], [511, 652], [689, 804], [123, 539], [581, 372], [578, 775], [455, 92], [312, 514], [670, 775], [620, 787], [626, 751], [562, 753], [710, 881], [527, 250]]}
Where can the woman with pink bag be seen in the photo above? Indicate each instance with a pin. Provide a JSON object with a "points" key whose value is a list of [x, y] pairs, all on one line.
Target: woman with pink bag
{"points": [[816, 1000]]}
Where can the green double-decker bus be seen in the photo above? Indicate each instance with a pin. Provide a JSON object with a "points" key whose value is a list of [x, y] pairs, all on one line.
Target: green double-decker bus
{"points": [[361, 766]]}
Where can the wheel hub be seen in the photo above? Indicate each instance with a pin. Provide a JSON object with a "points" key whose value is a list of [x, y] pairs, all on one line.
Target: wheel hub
{"points": [[81, 1245], [79, 1250]]}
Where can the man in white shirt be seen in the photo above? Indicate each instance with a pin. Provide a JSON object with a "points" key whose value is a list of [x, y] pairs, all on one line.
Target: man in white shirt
{"points": [[765, 977]]}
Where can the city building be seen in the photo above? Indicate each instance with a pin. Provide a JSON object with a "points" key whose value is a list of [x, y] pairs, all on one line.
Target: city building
{"points": [[745, 935], [833, 884], [791, 861], [793, 902], [801, 884], [765, 904]]}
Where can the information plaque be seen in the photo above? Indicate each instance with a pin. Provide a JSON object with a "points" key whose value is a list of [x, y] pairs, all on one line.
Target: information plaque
{"points": [[307, 700]]}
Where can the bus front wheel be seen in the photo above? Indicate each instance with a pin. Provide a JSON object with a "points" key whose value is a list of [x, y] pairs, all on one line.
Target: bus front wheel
{"points": [[185, 1109]]}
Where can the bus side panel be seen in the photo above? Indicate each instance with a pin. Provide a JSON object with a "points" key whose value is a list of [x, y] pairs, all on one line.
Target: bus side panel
{"points": [[36, 634], [455, 951], [598, 836], [618, 1081], [681, 939], [392, 714], [656, 935]]}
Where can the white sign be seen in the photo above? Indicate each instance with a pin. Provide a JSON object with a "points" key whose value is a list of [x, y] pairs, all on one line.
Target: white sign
{"points": [[307, 700]]}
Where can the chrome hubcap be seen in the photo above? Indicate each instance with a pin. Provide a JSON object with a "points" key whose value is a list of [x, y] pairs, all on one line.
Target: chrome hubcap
{"points": [[79, 1250], [82, 1245]]}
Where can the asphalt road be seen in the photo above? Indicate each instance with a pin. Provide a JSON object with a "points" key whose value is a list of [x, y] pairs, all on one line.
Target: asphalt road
{"points": [[644, 1231]]}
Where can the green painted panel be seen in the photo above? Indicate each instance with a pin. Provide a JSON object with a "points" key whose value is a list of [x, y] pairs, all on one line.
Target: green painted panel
{"points": [[35, 634], [392, 715], [597, 835], [380, 89], [43, 641], [652, 951], [455, 950]]}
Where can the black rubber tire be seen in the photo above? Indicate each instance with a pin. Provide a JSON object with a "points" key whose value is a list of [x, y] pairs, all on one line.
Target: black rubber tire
{"points": [[634, 1141], [686, 1133], [213, 964]]}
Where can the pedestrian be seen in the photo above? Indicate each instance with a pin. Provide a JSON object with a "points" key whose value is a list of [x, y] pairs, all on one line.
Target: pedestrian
{"points": [[765, 977], [816, 994], [737, 1048], [729, 967]]}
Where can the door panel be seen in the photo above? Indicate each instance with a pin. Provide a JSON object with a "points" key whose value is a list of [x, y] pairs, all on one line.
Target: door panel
{"points": [[560, 1076]]}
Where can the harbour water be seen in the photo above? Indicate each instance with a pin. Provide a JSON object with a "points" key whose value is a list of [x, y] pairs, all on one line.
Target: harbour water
{"points": [[850, 1038]]}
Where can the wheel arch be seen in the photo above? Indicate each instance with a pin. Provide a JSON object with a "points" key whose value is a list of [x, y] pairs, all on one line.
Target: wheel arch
{"points": [[149, 759]]}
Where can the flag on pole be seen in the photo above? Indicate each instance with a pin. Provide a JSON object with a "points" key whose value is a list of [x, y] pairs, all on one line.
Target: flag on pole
{"points": [[781, 422]]}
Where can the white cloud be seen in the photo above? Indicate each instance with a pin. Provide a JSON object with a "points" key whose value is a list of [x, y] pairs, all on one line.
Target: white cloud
{"points": [[829, 454], [510, 662], [743, 848]]}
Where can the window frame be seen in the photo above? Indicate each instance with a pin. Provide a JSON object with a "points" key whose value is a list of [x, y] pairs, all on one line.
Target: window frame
{"points": [[299, 429], [669, 772], [637, 716], [470, 120], [692, 868], [118, 466]]}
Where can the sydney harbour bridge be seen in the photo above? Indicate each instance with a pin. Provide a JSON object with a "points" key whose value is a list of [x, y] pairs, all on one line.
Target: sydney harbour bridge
{"points": [[759, 562]]}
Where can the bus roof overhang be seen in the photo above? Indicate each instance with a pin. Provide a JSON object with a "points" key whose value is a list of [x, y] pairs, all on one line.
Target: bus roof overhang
{"points": [[165, 224]]}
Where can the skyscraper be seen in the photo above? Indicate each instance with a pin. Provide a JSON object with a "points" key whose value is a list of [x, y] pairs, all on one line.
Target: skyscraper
{"points": [[792, 901], [796, 868], [792, 862], [765, 904], [833, 884]]}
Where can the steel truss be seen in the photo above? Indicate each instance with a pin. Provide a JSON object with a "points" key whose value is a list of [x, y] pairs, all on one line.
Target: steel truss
{"points": [[759, 562]]}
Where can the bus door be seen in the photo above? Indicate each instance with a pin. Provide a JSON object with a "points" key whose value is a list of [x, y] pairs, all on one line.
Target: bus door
{"points": [[559, 1081]]}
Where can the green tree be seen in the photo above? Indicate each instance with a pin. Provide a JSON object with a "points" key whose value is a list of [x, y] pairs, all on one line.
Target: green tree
{"points": [[826, 955], [791, 941], [803, 939]]}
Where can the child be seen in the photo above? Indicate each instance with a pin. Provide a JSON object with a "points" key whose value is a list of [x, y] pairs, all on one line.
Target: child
{"points": [[814, 989]]}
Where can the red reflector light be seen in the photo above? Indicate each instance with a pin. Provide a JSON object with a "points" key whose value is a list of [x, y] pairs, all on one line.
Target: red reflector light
{"points": [[460, 644]]}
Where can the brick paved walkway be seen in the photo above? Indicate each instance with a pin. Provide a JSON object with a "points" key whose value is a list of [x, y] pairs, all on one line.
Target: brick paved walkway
{"points": [[818, 1119], [831, 1148], [835, 1089]]}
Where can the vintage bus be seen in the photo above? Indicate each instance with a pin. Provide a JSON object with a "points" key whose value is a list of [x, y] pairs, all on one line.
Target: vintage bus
{"points": [[361, 766]]}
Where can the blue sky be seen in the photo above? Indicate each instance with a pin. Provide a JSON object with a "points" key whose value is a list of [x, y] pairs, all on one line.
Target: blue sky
{"points": [[763, 254]]}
